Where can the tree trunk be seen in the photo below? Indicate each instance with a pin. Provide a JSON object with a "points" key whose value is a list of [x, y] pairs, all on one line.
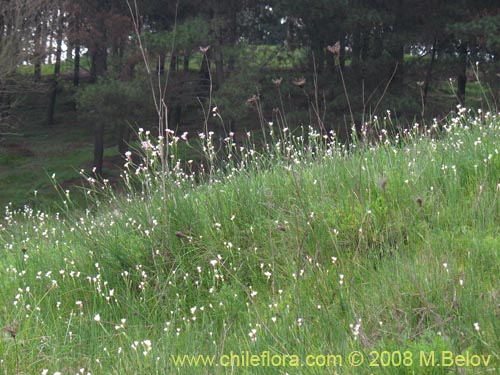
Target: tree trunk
{"points": [[186, 63], [57, 65], [76, 71], [99, 65], [38, 51], [38, 70], [176, 116], [2, 28], [4, 106], [173, 62], [428, 75], [57, 70], [52, 102], [123, 138], [231, 62], [462, 73], [99, 53]]}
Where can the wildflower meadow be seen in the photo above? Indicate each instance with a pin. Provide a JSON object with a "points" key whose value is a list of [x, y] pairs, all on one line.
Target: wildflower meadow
{"points": [[293, 254]]}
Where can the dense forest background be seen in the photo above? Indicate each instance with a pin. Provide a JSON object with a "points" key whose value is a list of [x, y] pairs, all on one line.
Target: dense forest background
{"points": [[232, 66]]}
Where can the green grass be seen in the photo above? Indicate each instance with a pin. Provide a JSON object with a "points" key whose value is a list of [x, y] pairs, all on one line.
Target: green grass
{"points": [[28, 160], [262, 55], [67, 66], [307, 249]]}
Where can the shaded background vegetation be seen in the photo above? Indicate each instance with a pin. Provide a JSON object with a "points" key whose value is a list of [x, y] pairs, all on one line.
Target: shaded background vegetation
{"points": [[325, 63]]}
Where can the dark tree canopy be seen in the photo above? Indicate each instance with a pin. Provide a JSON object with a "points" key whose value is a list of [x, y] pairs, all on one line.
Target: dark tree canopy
{"points": [[225, 52]]}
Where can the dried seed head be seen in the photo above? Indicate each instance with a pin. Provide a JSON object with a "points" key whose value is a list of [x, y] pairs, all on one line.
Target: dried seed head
{"points": [[11, 329], [299, 82], [180, 235], [277, 81], [281, 227], [335, 49], [419, 200], [253, 100], [204, 49], [382, 183]]}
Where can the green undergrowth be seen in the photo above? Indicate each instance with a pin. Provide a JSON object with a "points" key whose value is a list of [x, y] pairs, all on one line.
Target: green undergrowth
{"points": [[307, 249], [29, 159], [67, 67]]}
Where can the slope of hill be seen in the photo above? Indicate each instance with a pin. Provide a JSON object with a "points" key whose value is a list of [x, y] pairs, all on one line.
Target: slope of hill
{"points": [[308, 258]]}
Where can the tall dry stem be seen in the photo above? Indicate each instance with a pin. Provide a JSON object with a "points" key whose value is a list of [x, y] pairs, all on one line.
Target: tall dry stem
{"points": [[158, 94]]}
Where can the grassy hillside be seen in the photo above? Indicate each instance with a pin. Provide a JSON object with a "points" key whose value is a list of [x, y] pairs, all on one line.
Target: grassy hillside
{"points": [[378, 258]]}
